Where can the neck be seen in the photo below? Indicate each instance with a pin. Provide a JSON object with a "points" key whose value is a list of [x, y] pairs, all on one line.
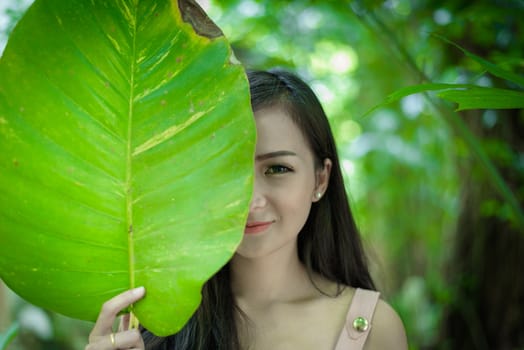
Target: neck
{"points": [[278, 277]]}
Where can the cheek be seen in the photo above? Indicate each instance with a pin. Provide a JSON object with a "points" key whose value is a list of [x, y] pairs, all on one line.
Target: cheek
{"points": [[294, 207]]}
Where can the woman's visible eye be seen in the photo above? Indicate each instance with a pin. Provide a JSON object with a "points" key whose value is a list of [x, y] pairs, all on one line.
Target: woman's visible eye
{"points": [[277, 170]]}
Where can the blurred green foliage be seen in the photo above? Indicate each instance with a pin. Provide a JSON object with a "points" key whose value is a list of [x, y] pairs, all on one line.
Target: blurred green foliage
{"points": [[408, 168], [8, 336]]}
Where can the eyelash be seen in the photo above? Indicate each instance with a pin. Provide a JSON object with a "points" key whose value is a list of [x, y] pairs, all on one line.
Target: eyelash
{"points": [[280, 169]]}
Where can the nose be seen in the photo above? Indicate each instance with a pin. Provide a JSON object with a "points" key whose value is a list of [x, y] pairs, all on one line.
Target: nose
{"points": [[258, 200]]}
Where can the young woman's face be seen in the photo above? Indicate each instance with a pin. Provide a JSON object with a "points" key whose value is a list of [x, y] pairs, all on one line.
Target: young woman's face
{"points": [[286, 183]]}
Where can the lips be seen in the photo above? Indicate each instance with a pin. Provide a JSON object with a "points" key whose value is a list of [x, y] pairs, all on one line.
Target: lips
{"points": [[257, 226]]}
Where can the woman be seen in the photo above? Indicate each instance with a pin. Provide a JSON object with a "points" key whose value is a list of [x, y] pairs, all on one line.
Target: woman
{"points": [[294, 276]]}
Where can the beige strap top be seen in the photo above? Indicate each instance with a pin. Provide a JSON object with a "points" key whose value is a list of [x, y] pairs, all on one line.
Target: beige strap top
{"points": [[358, 321]]}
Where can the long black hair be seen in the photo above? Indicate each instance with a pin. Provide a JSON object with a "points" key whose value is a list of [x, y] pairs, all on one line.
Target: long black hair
{"points": [[329, 243]]}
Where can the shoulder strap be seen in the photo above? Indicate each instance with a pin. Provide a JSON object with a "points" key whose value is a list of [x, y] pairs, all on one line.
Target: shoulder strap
{"points": [[358, 321]]}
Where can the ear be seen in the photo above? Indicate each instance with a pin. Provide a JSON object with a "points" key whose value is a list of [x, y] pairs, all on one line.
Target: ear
{"points": [[322, 178]]}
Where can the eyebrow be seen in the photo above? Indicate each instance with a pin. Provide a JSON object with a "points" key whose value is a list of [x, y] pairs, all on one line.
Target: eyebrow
{"points": [[274, 155]]}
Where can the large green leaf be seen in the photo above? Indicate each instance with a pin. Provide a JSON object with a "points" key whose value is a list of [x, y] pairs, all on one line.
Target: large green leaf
{"points": [[126, 156]]}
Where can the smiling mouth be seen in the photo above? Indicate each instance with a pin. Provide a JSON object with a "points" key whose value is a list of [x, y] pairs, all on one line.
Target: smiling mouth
{"points": [[257, 227]]}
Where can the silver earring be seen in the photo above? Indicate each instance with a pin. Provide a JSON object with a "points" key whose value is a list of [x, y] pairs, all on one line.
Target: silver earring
{"points": [[318, 195]]}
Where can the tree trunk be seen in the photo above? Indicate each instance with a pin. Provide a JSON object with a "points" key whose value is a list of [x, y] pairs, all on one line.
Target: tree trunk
{"points": [[485, 273]]}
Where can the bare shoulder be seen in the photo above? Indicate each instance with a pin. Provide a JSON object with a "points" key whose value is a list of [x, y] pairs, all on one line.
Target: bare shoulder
{"points": [[387, 331]]}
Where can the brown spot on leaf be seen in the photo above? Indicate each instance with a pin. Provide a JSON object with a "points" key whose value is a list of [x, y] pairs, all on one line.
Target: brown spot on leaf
{"points": [[15, 163], [193, 14]]}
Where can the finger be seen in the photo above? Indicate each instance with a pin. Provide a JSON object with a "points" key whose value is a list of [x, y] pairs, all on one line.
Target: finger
{"points": [[127, 340], [131, 339], [124, 323], [111, 308]]}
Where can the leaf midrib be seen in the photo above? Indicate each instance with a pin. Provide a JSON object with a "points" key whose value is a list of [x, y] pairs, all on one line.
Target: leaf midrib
{"points": [[129, 156]]}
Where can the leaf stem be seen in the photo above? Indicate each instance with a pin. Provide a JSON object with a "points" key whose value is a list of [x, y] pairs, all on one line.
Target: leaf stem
{"points": [[133, 321]]}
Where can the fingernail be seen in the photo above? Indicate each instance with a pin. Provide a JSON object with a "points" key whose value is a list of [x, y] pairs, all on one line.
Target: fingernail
{"points": [[138, 291]]}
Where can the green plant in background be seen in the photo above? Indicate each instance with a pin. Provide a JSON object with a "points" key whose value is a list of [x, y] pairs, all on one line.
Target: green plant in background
{"points": [[126, 156], [470, 96]]}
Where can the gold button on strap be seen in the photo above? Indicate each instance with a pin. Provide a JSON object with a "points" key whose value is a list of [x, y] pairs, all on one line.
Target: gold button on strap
{"points": [[360, 324]]}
